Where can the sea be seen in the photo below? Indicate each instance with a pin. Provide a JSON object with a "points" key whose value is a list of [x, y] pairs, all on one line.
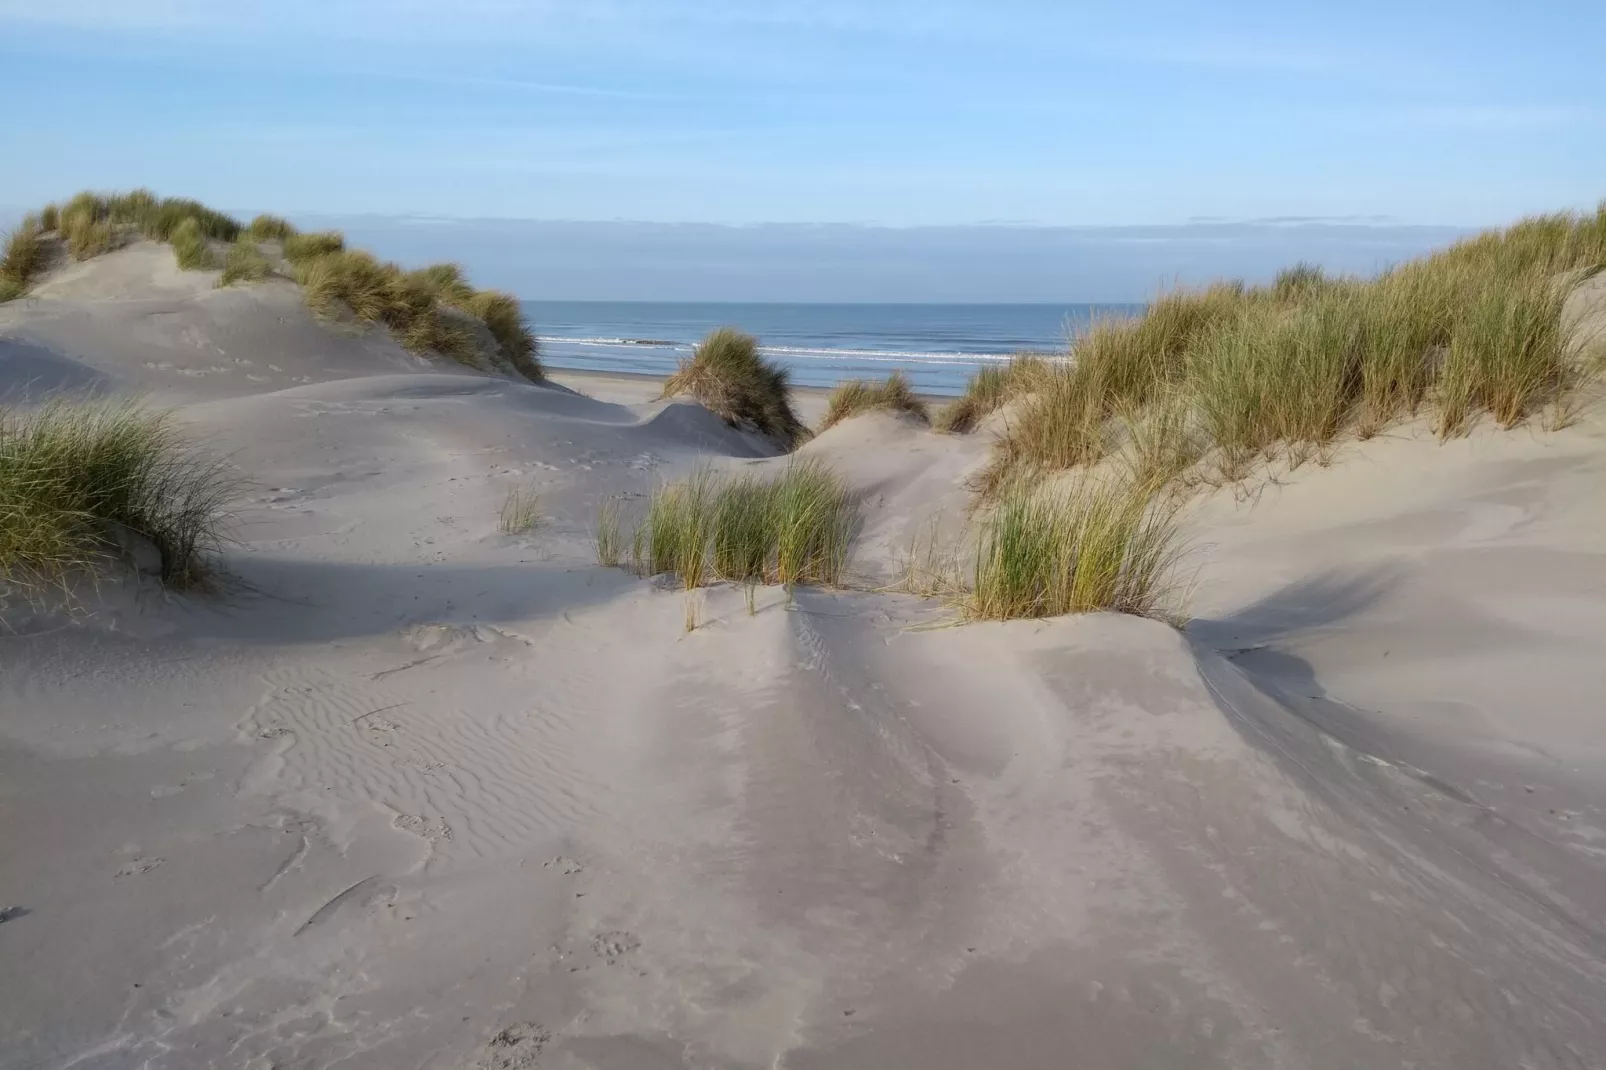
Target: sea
{"points": [[939, 347]]}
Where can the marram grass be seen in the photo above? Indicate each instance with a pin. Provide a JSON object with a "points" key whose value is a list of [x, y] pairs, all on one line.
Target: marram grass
{"points": [[71, 473], [1288, 369], [412, 304], [792, 528], [1046, 551], [244, 262], [728, 376], [856, 396]]}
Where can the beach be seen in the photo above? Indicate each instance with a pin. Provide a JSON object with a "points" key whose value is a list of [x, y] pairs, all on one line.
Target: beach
{"points": [[401, 787]]}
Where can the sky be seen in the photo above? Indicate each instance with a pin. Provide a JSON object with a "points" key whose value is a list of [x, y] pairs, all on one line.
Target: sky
{"points": [[889, 115]]}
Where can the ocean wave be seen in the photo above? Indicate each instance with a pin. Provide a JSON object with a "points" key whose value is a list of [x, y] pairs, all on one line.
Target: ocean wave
{"points": [[811, 352]]}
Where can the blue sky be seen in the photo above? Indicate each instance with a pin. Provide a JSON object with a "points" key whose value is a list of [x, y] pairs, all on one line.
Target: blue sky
{"points": [[884, 112]]}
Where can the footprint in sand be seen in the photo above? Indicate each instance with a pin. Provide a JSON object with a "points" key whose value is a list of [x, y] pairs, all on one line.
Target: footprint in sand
{"points": [[138, 866], [610, 947], [433, 831], [515, 1048]]}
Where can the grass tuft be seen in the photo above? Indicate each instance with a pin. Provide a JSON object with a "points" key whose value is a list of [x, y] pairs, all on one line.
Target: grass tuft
{"points": [[25, 258], [504, 318], [244, 262], [301, 247], [521, 511], [89, 237], [191, 247], [795, 528], [1110, 545], [72, 474], [990, 390], [270, 228], [858, 396], [727, 375], [609, 537], [49, 217]]}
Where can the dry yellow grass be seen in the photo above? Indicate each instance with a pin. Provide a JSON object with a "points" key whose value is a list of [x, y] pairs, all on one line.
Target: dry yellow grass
{"points": [[857, 396], [729, 377]]}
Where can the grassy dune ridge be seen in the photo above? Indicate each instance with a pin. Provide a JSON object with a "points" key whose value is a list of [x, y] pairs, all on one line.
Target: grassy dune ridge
{"points": [[1207, 383], [418, 306], [1286, 369]]}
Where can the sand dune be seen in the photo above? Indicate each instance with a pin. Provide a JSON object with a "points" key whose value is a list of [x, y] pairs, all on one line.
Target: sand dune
{"points": [[410, 792]]}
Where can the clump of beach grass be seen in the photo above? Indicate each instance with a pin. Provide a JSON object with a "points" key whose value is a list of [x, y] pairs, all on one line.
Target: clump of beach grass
{"points": [[857, 396], [299, 247], [191, 247], [89, 237], [375, 292], [26, 256], [991, 388], [270, 228], [1097, 545], [73, 473], [244, 262], [727, 375], [794, 528], [609, 535], [521, 511], [447, 282], [504, 318]]}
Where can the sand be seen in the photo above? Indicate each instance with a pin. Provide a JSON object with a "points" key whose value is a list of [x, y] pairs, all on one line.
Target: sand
{"points": [[405, 791]]}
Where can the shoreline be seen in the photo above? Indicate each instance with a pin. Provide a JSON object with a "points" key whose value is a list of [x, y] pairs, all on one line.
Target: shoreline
{"points": [[621, 383]]}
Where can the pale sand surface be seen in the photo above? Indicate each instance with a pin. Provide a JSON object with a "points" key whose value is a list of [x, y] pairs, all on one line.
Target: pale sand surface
{"points": [[408, 792]]}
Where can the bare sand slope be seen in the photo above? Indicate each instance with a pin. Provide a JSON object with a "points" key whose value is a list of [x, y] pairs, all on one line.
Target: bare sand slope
{"points": [[410, 792]]}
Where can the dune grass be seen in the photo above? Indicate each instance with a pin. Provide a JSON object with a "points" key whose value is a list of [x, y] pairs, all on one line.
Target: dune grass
{"points": [[301, 247], [25, 257], [521, 511], [857, 396], [989, 390], [89, 237], [72, 473], [504, 318], [191, 247], [447, 282], [726, 374], [375, 292], [270, 228], [1099, 545], [244, 262], [791, 529], [609, 535], [413, 304], [1288, 369]]}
